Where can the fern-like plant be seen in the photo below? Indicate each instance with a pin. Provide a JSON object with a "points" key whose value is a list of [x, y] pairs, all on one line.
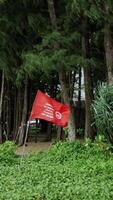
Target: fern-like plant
{"points": [[103, 111]]}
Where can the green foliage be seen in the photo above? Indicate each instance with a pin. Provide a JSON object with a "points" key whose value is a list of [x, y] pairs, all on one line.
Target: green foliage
{"points": [[2, 1], [20, 26], [56, 50], [69, 170], [103, 110], [7, 153], [66, 130], [80, 132], [90, 9]]}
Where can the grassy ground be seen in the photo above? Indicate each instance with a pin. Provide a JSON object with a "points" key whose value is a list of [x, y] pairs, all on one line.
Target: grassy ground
{"points": [[67, 171]]}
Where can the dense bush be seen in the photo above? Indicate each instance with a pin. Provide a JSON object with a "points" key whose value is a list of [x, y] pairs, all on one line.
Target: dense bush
{"points": [[103, 111], [7, 153], [68, 171]]}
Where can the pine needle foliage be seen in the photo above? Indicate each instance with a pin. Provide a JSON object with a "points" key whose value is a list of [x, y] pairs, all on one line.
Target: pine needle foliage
{"points": [[48, 58]]}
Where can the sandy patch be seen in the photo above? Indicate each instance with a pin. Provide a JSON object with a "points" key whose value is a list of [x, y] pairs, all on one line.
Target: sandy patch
{"points": [[33, 147]]}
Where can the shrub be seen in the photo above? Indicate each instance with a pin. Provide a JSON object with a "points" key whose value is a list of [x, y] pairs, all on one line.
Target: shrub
{"points": [[103, 111], [7, 152], [68, 171]]}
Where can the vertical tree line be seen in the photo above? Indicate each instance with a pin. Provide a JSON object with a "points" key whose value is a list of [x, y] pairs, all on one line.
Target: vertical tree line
{"points": [[45, 44]]}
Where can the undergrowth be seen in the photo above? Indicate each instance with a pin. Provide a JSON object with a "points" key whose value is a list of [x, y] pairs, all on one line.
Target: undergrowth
{"points": [[67, 171]]}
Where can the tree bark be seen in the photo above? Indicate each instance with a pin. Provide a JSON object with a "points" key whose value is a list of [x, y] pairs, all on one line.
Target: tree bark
{"points": [[71, 123], [1, 103], [24, 115], [8, 109], [14, 112], [108, 45], [52, 13], [89, 133], [67, 100], [79, 97], [17, 111]]}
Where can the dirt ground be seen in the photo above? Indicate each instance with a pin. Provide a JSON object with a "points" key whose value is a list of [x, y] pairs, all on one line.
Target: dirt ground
{"points": [[32, 147]]}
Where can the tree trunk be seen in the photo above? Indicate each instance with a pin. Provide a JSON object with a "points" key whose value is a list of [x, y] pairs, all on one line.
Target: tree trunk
{"points": [[14, 113], [71, 123], [79, 97], [89, 133], [108, 45], [52, 13], [65, 89], [1, 104], [8, 110], [59, 130], [16, 107], [72, 80], [88, 101], [24, 115], [18, 102]]}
